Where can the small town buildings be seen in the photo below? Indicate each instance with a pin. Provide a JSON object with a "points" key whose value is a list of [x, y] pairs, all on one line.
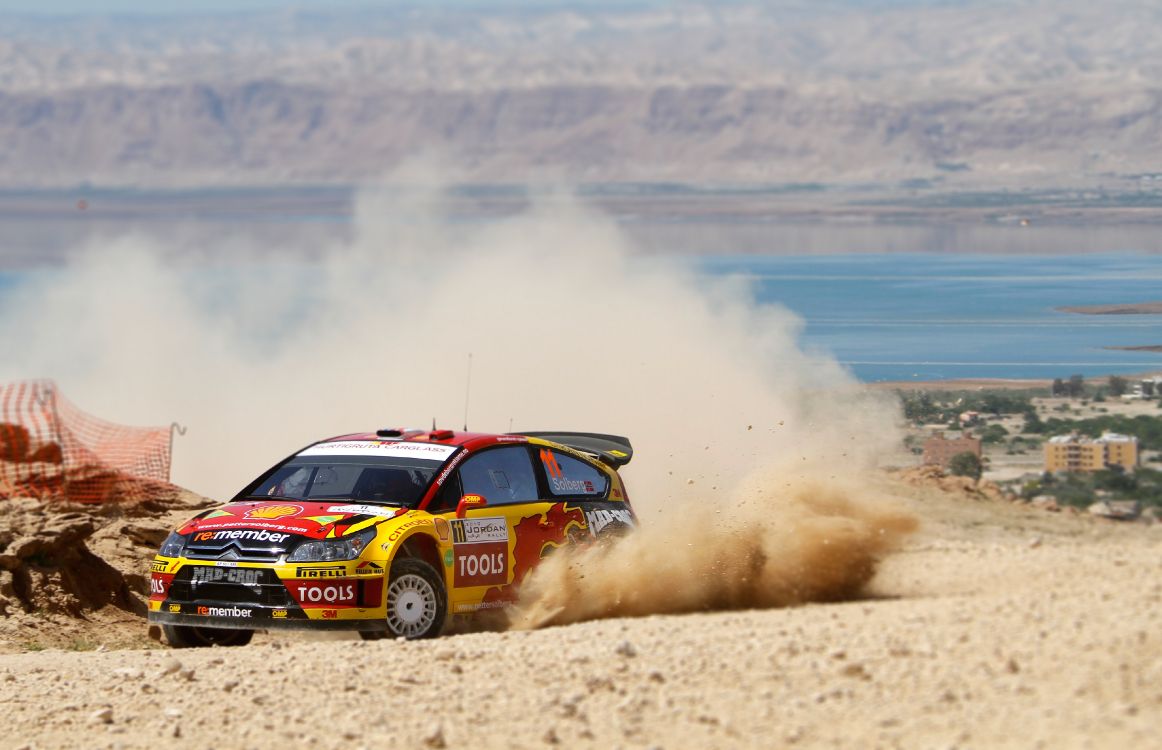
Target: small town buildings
{"points": [[1080, 453], [939, 450]]}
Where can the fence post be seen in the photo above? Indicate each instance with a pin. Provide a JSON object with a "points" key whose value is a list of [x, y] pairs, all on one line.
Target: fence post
{"points": [[45, 395], [174, 427]]}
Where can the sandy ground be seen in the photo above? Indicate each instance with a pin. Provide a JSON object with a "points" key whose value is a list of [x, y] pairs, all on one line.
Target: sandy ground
{"points": [[996, 626]]}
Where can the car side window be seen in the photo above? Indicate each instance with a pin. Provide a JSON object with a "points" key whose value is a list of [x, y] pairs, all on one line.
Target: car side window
{"points": [[500, 475], [571, 477]]}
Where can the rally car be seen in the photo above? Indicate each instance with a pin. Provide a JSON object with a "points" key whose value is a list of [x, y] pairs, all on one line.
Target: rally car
{"points": [[386, 533]]}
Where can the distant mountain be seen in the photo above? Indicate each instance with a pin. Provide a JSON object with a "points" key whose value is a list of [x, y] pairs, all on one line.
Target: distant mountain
{"points": [[962, 95]]}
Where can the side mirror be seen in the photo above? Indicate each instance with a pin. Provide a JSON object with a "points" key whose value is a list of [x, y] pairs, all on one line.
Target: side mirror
{"points": [[468, 502]]}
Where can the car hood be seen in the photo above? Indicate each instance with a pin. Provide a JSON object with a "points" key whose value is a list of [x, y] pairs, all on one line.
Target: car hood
{"points": [[316, 520]]}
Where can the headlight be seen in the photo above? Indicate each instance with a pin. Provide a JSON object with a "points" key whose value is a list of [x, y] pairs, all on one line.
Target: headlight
{"points": [[173, 545], [328, 550]]}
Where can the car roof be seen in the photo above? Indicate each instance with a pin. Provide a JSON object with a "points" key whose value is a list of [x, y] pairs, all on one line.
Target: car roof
{"points": [[469, 440]]}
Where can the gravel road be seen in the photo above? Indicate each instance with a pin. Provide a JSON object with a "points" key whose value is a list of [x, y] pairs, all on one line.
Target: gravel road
{"points": [[996, 626]]}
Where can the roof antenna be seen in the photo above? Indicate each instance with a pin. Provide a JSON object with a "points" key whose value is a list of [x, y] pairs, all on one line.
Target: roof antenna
{"points": [[433, 424], [467, 391]]}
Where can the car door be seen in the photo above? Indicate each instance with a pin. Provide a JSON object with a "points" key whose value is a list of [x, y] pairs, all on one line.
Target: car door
{"points": [[486, 556]]}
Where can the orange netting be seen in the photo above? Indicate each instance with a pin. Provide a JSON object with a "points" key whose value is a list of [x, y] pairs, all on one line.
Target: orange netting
{"points": [[51, 449]]}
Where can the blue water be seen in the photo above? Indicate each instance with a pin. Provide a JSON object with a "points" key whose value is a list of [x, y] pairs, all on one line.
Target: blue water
{"points": [[930, 317]]}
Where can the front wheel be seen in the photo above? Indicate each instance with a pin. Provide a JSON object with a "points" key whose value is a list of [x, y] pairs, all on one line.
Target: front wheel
{"points": [[417, 603], [188, 636]]}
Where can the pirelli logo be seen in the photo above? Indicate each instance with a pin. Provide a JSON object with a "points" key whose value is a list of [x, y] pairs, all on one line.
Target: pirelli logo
{"points": [[331, 571]]}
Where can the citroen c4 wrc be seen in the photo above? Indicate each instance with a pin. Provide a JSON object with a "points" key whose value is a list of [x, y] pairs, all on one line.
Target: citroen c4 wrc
{"points": [[389, 533]]}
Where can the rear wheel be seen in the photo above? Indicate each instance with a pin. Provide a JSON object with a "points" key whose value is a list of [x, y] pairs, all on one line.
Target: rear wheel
{"points": [[188, 636], [417, 603]]}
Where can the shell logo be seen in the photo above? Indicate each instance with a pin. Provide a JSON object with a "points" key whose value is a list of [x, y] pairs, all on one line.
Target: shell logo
{"points": [[274, 511]]}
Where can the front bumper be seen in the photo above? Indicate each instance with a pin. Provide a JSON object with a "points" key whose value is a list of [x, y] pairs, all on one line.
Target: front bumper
{"points": [[264, 621]]}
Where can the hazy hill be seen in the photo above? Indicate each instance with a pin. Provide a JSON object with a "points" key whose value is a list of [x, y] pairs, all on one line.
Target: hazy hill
{"points": [[967, 94]]}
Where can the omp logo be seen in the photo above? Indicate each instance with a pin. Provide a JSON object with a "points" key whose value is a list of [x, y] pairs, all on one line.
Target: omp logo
{"points": [[175, 608], [245, 534], [225, 612], [274, 511], [473, 530], [551, 465], [279, 614], [333, 571]]}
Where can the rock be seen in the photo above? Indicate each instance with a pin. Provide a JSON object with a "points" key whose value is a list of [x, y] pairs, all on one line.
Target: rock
{"points": [[101, 716], [626, 649], [436, 738]]}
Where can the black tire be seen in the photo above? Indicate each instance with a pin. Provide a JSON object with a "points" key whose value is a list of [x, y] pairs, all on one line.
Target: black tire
{"points": [[188, 636], [417, 603]]}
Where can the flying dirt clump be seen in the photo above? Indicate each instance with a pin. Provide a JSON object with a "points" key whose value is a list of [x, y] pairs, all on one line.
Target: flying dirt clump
{"points": [[780, 540]]}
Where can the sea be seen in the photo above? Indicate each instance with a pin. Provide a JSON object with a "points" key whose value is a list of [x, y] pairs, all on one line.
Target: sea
{"points": [[919, 317]]}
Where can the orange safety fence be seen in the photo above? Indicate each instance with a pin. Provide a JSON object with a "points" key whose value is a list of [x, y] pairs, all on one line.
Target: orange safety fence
{"points": [[50, 449]]}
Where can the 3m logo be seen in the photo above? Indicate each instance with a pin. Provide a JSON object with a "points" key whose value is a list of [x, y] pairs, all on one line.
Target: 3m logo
{"points": [[330, 614], [551, 465]]}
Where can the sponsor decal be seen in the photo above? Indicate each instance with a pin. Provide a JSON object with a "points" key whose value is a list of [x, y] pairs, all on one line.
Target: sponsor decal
{"points": [[511, 439], [482, 564], [331, 571], [451, 465], [323, 593], [599, 519], [429, 451], [476, 530], [158, 566], [563, 486], [225, 612], [442, 529], [217, 514], [175, 608], [399, 530], [550, 463], [278, 614], [368, 568], [536, 536], [365, 510], [244, 576], [477, 606], [447, 558], [330, 614], [250, 535], [159, 585], [271, 512]]}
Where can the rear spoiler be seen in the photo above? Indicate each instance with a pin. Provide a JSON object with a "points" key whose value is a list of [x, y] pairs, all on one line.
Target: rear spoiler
{"points": [[611, 450]]}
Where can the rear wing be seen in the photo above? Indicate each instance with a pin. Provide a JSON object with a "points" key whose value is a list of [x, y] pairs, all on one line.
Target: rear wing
{"points": [[611, 450]]}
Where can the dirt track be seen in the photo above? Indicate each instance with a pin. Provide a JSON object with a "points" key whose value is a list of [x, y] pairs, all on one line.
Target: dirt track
{"points": [[997, 626]]}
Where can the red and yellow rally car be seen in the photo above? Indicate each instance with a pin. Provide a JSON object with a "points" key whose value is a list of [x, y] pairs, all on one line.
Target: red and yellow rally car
{"points": [[386, 533]]}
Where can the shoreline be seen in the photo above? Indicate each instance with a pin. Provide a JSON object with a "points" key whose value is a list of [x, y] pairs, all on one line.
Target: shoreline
{"points": [[1129, 308], [1007, 384]]}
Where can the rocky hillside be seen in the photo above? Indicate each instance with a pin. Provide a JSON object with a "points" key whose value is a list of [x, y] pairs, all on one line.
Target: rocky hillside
{"points": [[964, 94]]}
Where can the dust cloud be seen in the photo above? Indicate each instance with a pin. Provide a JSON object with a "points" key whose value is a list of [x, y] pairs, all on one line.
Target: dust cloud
{"points": [[783, 538], [567, 327]]}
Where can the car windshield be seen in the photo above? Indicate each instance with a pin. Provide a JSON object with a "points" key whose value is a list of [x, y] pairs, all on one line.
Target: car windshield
{"points": [[378, 481]]}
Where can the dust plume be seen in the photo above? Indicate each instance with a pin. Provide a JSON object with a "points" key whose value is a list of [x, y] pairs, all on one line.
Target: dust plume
{"points": [[781, 539], [568, 327]]}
